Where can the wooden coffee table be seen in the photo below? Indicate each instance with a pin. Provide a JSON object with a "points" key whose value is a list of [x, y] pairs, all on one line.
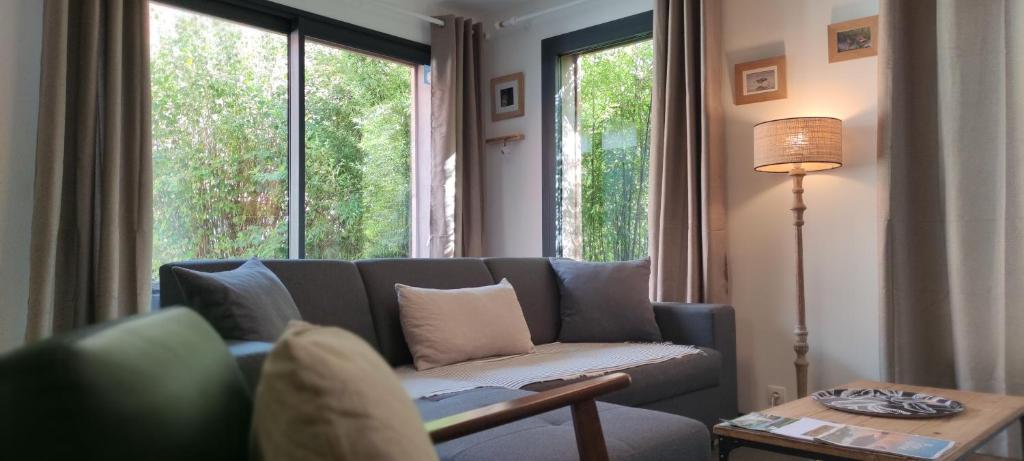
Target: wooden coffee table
{"points": [[984, 416]]}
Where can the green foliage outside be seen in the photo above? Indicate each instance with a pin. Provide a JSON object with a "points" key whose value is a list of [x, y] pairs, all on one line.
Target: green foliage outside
{"points": [[219, 139], [614, 124], [220, 145], [358, 116]]}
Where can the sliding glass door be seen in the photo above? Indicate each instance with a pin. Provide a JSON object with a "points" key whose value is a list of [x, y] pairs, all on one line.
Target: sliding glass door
{"points": [[220, 131], [279, 134], [604, 127], [358, 154]]}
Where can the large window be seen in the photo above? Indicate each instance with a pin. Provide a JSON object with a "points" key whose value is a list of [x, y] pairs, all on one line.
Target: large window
{"points": [[220, 138], [278, 134], [598, 85], [358, 145]]}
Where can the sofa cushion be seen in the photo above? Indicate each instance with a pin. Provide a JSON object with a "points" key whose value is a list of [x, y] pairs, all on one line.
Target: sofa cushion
{"points": [[327, 293], [605, 302], [630, 433], [380, 277], [443, 327], [326, 395], [248, 303], [537, 289], [658, 381]]}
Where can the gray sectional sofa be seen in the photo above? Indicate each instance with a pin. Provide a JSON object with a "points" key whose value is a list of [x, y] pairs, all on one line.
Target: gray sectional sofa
{"points": [[689, 393]]}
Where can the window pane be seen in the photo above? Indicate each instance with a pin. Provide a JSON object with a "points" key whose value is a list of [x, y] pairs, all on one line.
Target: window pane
{"points": [[219, 138], [604, 153], [358, 151]]}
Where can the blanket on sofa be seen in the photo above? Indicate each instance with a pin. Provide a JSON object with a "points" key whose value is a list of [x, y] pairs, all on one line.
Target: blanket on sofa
{"points": [[548, 362]]}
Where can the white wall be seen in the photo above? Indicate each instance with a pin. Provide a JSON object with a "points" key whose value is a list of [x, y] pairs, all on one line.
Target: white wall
{"points": [[513, 182], [841, 259], [840, 237], [20, 42]]}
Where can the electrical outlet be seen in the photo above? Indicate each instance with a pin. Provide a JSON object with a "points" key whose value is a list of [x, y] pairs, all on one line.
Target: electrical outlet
{"points": [[776, 395]]}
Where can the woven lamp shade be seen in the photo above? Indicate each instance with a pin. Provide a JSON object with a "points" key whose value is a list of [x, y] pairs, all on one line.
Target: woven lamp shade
{"points": [[811, 143]]}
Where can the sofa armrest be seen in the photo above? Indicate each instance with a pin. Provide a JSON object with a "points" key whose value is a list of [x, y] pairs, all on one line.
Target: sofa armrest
{"points": [[705, 325], [249, 355], [579, 396]]}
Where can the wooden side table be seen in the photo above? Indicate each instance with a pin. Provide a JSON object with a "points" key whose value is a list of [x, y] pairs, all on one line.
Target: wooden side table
{"points": [[985, 416]]}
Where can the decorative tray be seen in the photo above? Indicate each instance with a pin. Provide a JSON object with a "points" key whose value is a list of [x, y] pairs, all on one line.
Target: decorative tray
{"points": [[888, 403]]}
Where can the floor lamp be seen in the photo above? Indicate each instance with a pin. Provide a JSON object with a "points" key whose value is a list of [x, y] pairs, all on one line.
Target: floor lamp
{"points": [[798, 146]]}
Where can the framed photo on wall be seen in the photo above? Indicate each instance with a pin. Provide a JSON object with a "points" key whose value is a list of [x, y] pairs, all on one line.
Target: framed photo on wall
{"points": [[507, 97], [761, 80], [853, 39]]}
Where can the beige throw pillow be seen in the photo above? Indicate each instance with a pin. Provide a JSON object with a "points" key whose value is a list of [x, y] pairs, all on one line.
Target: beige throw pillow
{"points": [[326, 395], [443, 327]]}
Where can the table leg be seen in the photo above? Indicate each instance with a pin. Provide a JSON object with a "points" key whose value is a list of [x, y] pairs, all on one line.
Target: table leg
{"points": [[1022, 434], [725, 446]]}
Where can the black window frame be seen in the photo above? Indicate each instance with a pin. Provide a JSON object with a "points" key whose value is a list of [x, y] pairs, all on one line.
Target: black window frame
{"points": [[299, 25], [606, 35]]}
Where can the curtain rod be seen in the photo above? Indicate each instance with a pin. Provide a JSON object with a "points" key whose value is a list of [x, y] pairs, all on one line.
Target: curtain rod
{"points": [[517, 19], [414, 14]]}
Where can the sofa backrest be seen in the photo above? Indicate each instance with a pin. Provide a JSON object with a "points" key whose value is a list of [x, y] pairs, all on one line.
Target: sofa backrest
{"points": [[360, 295], [537, 289], [327, 292]]}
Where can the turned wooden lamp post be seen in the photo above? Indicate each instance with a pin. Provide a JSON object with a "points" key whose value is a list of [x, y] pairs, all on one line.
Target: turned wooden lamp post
{"points": [[798, 146]]}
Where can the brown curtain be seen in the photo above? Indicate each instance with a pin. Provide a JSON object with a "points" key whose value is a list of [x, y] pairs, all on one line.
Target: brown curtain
{"points": [[456, 140], [951, 147], [92, 218], [687, 171]]}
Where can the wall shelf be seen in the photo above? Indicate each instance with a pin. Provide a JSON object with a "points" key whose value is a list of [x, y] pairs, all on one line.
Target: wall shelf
{"points": [[506, 139]]}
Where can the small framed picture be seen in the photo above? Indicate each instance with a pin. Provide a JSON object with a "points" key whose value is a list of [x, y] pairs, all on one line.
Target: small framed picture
{"points": [[853, 39], [762, 80], [507, 97]]}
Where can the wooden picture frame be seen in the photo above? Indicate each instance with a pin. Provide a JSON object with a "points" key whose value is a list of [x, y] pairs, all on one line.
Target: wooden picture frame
{"points": [[853, 39], [507, 99], [758, 81]]}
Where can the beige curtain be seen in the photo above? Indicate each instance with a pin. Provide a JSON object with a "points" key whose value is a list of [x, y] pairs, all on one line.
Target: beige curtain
{"points": [[951, 146], [687, 169], [92, 218], [456, 140]]}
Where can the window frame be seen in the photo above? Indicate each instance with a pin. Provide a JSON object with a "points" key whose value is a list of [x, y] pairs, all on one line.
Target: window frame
{"points": [[606, 35], [298, 25]]}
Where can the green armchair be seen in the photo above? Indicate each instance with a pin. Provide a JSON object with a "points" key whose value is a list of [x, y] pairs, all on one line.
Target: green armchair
{"points": [[164, 386]]}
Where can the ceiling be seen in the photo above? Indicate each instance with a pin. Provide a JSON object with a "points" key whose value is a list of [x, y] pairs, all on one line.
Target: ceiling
{"points": [[495, 7]]}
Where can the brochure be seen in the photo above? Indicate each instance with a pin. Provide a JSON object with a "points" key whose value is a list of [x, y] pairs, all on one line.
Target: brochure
{"points": [[888, 442], [806, 428], [811, 429], [760, 421]]}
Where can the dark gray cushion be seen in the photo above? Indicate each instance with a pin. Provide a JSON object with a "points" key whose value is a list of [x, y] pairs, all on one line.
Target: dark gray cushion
{"points": [[658, 381], [380, 277], [327, 292], [605, 302], [630, 433], [537, 289], [249, 303]]}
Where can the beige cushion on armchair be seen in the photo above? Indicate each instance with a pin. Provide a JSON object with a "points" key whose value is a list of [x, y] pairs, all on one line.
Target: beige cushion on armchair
{"points": [[324, 394]]}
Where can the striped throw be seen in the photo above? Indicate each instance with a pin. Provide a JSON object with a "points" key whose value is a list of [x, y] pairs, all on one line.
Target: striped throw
{"points": [[548, 362]]}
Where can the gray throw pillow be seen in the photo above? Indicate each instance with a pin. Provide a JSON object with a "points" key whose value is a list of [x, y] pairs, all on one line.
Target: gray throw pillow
{"points": [[605, 302], [248, 303]]}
